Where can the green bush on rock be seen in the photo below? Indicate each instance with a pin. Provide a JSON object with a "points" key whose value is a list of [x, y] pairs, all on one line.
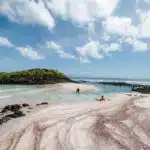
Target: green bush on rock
{"points": [[33, 76]]}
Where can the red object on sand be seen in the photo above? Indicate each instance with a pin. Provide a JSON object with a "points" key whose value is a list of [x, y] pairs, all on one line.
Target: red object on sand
{"points": [[101, 100]]}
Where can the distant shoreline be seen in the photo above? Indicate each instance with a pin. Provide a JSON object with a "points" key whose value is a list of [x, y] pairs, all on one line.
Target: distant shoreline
{"points": [[33, 77]]}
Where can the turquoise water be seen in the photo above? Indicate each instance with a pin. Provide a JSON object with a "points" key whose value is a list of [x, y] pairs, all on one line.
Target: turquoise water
{"points": [[19, 92]]}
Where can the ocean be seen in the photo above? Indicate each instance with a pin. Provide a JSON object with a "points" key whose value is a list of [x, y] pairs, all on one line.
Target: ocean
{"points": [[10, 93]]}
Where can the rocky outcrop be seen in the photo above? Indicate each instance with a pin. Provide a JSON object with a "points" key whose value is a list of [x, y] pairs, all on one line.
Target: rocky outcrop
{"points": [[120, 84], [6, 118], [25, 105], [43, 103], [34, 77], [12, 108], [14, 111], [144, 89]]}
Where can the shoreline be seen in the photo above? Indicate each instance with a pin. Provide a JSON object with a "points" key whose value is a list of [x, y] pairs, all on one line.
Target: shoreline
{"points": [[94, 121]]}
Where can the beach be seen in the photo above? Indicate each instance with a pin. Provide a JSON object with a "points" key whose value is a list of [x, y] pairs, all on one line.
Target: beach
{"points": [[120, 123]]}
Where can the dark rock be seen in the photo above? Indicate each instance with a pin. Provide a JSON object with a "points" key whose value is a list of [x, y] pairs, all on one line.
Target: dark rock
{"points": [[144, 89], [19, 114], [12, 108], [25, 105], [4, 119], [30, 108], [6, 108], [15, 107], [15, 114], [44, 103]]}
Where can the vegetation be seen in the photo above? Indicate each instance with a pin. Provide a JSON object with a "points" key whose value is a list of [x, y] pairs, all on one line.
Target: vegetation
{"points": [[33, 76]]}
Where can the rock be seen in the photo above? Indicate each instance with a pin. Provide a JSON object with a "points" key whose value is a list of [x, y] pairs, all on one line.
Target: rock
{"points": [[30, 108], [12, 108], [35, 76], [25, 105], [5, 109], [44, 103], [144, 89], [4, 119], [16, 114], [15, 107]]}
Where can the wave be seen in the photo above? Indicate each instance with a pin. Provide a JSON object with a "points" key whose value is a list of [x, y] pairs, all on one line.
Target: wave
{"points": [[10, 90], [95, 81], [5, 96]]}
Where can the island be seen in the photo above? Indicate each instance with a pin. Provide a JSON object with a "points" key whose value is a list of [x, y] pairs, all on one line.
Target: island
{"points": [[33, 77]]}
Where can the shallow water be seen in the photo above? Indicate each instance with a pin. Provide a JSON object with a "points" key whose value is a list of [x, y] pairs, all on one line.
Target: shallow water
{"points": [[9, 93]]}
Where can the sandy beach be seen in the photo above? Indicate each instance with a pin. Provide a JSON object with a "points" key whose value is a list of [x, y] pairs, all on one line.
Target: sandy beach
{"points": [[122, 123]]}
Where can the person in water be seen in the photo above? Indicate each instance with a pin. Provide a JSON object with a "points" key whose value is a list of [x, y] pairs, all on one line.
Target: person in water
{"points": [[102, 99], [77, 91]]}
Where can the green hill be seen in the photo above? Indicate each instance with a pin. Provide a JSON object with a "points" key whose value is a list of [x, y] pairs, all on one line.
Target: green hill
{"points": [[33, 76]]}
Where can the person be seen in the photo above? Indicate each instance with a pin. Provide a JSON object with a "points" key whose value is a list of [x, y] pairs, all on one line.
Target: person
{"points": [[102, 99], [77, 91]]}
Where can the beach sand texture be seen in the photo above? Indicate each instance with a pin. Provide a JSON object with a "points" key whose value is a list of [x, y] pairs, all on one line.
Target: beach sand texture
{"points": [[123, 123]]}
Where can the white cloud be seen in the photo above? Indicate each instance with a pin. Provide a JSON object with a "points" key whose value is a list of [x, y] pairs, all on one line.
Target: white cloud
{"points": [[59, 51], [27, 12], [53, 45], [84, 60], [120, 25], [5, 42], [106, 37], [82, 11], [144, 26], [112, 47], [30, 53], [91, 28], [138, 45], [91, 49], [63, 54]]}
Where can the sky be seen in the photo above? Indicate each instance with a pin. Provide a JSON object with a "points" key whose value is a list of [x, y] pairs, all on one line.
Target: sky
{"points": [[92, 38]]}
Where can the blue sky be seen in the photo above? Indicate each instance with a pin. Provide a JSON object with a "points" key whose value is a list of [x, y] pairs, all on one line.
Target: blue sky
{"points": [[98, 38]]}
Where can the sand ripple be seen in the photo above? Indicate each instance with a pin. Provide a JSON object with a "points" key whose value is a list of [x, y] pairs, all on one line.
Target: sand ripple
{"points": [[84, 126]]}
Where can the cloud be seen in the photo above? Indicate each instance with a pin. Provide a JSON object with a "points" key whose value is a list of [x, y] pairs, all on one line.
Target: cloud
{"points": [[113, 47], [91, 28], [27, 12], [130, 34], [82, 11], [5, 42], [90, 49], [59, 51], [30, 53], [106, 37], [25, 51], [138, 45], [120, 25], [144, 26], [63, 54], [53, 45]]}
